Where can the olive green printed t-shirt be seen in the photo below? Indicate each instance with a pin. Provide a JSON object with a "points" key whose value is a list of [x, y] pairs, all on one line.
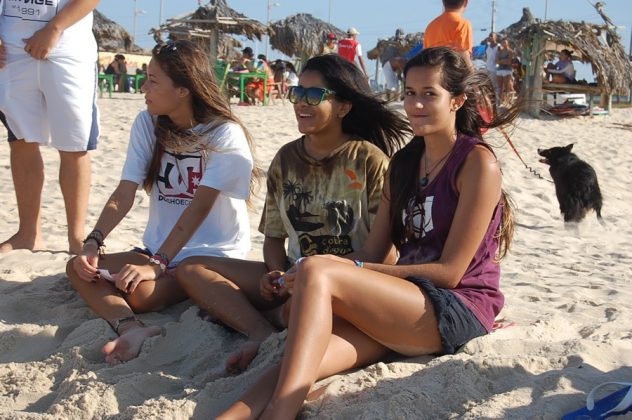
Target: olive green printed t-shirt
{"points": [[325, 206]]}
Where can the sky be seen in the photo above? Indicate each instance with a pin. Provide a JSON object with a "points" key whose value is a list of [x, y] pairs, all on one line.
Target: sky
{"points": [[375, 19]]}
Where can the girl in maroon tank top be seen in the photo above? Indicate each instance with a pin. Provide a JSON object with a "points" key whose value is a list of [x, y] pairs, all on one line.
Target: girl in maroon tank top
{"points": [[444, 210]]}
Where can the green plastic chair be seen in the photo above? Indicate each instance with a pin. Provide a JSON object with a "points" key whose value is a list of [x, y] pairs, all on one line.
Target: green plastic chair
{"points": [[221, 69]]}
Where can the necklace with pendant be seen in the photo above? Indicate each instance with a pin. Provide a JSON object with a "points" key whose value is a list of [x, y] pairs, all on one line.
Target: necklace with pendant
{"points": [[423, 181]]}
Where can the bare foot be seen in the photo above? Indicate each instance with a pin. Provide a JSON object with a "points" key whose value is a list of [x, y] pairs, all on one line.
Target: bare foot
{"points": [[19, 241], [128, 345], [239, 360]]}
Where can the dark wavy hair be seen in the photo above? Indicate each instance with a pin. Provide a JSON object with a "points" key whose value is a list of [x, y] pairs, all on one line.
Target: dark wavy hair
{"points": [[187, 65], [369, 118], [458, 78]]}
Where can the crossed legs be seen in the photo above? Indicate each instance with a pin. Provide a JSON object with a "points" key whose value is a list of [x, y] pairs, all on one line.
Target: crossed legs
{"points": [[112, 305]]}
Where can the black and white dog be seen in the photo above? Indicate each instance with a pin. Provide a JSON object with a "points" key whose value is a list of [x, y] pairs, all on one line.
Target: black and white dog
{"points": [[575, 181]]}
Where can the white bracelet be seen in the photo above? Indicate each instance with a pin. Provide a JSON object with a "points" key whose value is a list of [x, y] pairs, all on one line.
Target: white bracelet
{"points": [[154, 261]]}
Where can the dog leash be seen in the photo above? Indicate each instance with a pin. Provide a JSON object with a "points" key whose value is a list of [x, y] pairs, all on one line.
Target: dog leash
{"points": [[529, 168]]}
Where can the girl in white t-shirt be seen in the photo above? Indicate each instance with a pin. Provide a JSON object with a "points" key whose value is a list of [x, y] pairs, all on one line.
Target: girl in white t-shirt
{"points": [[194, 158]]}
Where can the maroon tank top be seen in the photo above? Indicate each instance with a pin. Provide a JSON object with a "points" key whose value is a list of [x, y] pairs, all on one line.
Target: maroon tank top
{"points": [[428, 220]]}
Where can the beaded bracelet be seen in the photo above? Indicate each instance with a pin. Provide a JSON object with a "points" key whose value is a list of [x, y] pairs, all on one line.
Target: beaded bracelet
{"points": [[97, 236]]}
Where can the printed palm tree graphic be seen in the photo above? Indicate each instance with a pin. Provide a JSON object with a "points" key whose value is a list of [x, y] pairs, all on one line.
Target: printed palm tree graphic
{"points": [[296, 211]]}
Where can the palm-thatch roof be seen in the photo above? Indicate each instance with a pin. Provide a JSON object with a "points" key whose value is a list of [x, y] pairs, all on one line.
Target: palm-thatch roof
{"points": [[111, 36], [301, 35], [215, 16], [596, 44], [385, 48], [209, 25], [512, 31]]}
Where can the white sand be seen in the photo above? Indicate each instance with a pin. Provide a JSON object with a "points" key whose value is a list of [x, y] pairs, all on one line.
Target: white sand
{"points": [[569, 291]]}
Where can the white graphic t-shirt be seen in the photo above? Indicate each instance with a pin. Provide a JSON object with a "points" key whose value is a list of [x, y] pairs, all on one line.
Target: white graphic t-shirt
{"points": [[20, 19], [227, 168]]}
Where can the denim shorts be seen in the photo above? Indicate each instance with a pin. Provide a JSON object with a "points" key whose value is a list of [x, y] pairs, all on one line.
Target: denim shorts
{"points": [[457, 324]]}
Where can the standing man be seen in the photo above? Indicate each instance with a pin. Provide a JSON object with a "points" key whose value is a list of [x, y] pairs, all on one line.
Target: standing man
{"points": [[452, 30], [47, 92], [351, 49], [490, 58]]}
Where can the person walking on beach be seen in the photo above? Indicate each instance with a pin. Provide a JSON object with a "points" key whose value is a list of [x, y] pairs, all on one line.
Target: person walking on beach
{"points": [[323, 193], [444, 210], [194, 159], [56, 48], [451, 29], [350, 49]]}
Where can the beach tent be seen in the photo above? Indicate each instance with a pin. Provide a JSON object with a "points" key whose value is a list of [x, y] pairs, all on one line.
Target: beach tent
{"points": [[209, 25], [598, 45], [301, 35]]}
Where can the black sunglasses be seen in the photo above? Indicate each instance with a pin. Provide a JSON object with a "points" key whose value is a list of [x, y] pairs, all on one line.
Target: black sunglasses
{"points": [[313, 96], [163, 48]]}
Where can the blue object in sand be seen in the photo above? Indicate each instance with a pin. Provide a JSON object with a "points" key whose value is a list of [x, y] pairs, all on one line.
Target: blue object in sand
{"points": [[616, 403]]}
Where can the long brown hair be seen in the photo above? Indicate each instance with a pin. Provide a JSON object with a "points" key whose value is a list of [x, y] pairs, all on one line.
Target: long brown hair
{"points": [[187, 66], [458, 79], [369, 118]]}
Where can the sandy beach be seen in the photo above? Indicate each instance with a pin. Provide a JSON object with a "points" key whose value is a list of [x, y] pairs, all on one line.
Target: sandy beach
{"points": [[567, 314]]}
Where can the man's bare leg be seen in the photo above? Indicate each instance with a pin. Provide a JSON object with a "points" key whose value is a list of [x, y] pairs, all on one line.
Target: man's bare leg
{"points": [[27, 169], [74, 179]]}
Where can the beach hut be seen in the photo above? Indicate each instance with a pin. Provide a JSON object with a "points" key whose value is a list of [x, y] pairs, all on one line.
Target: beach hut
{"points": [[596, 44], [301, 35], [209, 25]]}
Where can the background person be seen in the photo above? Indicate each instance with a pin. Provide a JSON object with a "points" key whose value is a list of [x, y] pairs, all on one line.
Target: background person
{"points": [[257, 89], [330, 47], [451, 29], [350, 49], [490, 59], [194, 159], [323, 193], [39, 56], [563, 71], [504, 71]]}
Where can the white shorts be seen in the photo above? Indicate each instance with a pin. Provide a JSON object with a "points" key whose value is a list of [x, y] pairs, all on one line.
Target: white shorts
{"points": [[51, 101], [504, 73], [390, 77]]}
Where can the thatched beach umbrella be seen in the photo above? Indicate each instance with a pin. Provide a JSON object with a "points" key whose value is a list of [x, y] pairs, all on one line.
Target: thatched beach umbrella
{"points": [[399, 45], [206, 25], [301, 35], [111, 36]]}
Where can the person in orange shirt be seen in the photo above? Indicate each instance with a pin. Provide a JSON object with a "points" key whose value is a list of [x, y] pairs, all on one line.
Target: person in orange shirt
{"points": [[451, 29]]}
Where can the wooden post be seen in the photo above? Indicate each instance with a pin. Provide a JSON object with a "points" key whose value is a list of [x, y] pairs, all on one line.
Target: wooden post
{"points": [[213, 46], [535, 77]]}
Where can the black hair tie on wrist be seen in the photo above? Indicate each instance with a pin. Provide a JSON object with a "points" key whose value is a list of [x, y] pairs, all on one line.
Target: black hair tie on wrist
{"points": [[97, 236]]}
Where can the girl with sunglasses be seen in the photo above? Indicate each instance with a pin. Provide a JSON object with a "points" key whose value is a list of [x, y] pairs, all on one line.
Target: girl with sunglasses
{"points": [[444, 210], [194, 159], [323, 193]]}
